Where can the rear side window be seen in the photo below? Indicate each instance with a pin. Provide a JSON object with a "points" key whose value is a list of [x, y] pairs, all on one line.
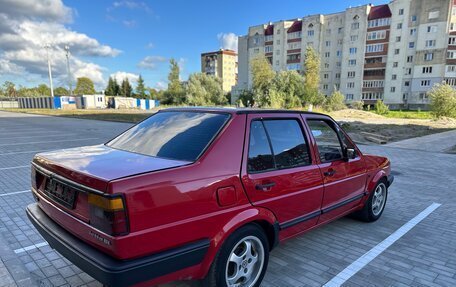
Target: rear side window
{"points": [[281, 143], [328, 143], [173, 135]]}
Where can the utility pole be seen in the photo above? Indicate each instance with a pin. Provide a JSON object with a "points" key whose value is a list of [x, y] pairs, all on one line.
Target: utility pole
{"points": [[67, 54], [48, 47]]}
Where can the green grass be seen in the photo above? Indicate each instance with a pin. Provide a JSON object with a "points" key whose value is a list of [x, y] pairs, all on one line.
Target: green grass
{"points": [[423, 115]]}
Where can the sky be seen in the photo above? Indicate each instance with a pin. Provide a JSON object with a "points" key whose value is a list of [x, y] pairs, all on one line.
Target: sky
{"points": [[128, 38]]}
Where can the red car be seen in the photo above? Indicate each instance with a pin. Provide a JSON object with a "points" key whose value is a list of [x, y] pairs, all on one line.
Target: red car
{"points": [[201, 193]]}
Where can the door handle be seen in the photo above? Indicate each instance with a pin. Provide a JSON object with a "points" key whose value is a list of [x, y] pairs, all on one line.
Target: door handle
{"points": [[330, 172], [265, 187]]}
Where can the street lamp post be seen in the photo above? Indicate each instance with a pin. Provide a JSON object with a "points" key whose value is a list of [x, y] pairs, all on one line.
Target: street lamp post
{"points": [[47, 47], [67, 54]]}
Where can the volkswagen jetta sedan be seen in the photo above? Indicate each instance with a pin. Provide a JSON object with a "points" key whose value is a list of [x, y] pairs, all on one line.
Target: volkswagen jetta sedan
{"points": [[201, 193]]}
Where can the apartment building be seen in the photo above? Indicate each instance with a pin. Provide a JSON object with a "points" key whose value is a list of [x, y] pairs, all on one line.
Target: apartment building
{"points": [[222, 64], [394, 52]]}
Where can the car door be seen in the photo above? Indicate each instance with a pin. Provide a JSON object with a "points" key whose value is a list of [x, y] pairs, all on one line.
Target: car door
{"points": [[344, 179], [279, 173]]}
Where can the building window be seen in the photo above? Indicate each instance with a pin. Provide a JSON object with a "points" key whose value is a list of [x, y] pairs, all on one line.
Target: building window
{"points": [[256, 41], [352, 62], [452, 41], [327, 54], [451, 68], [328, 43], [378, 22], [413, 18], [372, 96], [398, 38], [394, 77], [310, 33], [268, 38], [430, 43], [408, 71], [354, 38], [427, 70], [353, 50], [376, 35], [426, 83], [355, 26], [326, 66], [340, 42], [349, 97], [374, 48], [278, 31], [338, 64], [373, 84], [432, 29], [452, 26], [338, 53], [294, 67], [294, 45], [396, 51], [339, 30], [407, 83], [325, 86], [412, 31], [395, 64], [411, 45], [451, 55], [393, 89], [256, 50], [337, 75], [409, 59], [293, 57], [401, 11], [350, 85], [268, 49], [325, 76], [404, 96], [399, 25], [351, 74], [294, 35]]}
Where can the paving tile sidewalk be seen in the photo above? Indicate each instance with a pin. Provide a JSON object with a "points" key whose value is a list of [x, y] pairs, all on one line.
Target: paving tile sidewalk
{"points": [[439, 142]]}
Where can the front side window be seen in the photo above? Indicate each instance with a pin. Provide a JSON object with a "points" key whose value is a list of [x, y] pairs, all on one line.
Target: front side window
{"points": [[328, 143], [276, 144], [173, 135]]}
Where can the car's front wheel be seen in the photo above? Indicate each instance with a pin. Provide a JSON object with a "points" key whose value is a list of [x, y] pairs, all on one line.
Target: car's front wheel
{"points": [[242, 260], [375, 205]]}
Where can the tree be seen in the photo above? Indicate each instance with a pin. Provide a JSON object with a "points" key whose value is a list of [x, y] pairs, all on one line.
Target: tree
{"points": [[381, 108], [262, 76], [443, 101], [205, 90], [9, 89], [61, 91], [125, 88], [84, 86], [113, 87], [140, 88], [246, 99], [175, 93], [288, 89], [335, 102], [312, 94]]}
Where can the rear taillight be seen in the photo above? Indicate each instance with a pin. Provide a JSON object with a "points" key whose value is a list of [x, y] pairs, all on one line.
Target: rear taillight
{"points": [[108, 214]]}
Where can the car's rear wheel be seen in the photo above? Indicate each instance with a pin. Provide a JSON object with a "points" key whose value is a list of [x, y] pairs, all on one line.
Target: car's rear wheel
{"points": [[242, 260], [375, 205]]}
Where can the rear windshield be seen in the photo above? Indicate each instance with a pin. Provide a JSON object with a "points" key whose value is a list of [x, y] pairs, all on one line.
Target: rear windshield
{"points": [[173, 135]]}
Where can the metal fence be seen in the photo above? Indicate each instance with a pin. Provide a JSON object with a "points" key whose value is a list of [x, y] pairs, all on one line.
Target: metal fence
{"points": [[9, 103]]}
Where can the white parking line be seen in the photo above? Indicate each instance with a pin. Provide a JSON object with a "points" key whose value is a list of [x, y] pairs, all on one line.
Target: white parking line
{"points": [[73, 140], [31, 247], [15, 192], [359, 264], [14, 167]]}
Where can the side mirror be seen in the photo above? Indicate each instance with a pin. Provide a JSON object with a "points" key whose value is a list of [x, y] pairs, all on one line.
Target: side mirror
{"points": [[350, 153]]}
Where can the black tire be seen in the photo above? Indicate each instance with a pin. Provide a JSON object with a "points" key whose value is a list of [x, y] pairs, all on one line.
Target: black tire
{"points": [[367, 214], [217, 274]]}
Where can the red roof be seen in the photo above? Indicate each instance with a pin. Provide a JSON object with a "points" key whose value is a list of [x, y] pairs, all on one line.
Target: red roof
{"points": [[295, 27], [269, 30], [378, 12]]}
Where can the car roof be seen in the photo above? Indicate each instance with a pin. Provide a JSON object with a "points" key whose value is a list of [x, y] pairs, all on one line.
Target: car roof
{"points": [[239, 110]]}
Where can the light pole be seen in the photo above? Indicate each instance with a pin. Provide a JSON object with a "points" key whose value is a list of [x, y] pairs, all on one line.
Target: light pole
{"points": [[67, 54], [47, 47]]}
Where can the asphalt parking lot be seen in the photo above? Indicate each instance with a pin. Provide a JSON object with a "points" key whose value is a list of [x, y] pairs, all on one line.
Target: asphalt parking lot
{"points": [[405, 247]]}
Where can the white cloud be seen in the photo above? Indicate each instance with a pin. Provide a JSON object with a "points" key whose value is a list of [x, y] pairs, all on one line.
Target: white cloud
{"points": [[120, 76], [132, 5], [161, 85], [228, 41], [26, 26], [151, 62], [150, 45]]}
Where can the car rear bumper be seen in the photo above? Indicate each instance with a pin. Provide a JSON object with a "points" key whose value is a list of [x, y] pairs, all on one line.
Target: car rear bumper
{"points": [[390, 179], [108, 270]]}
